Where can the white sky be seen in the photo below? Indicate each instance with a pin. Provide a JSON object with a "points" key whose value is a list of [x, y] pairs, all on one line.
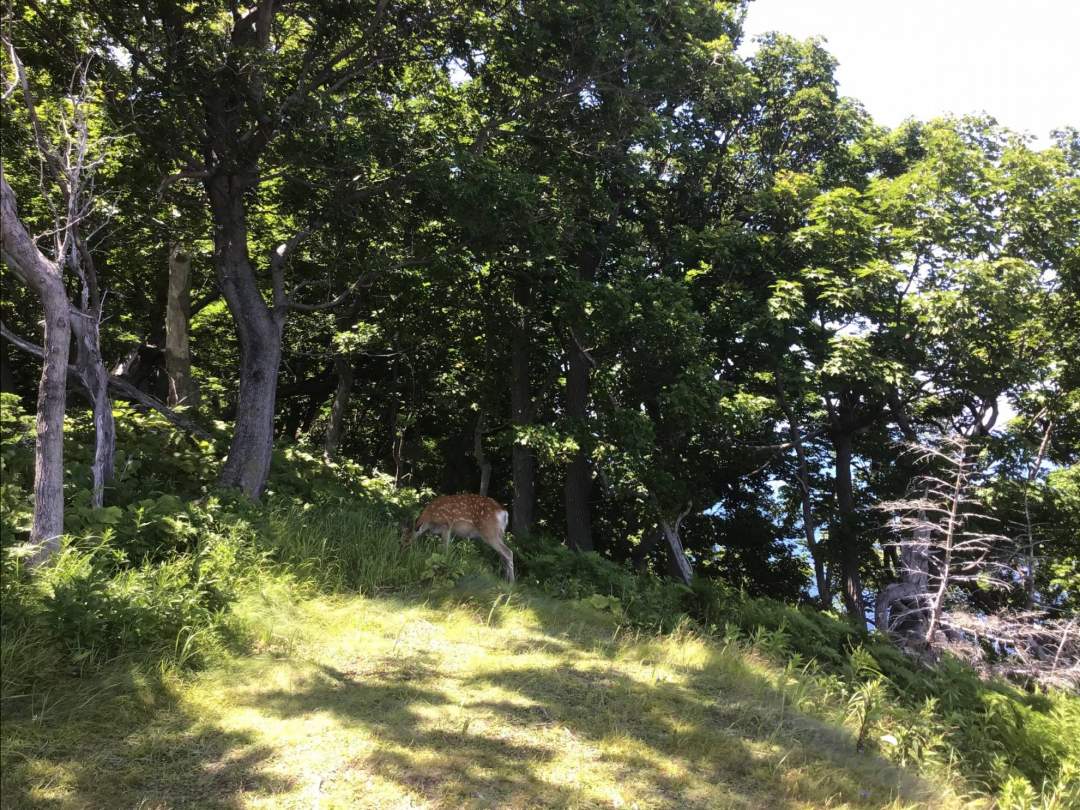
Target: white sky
{"points": [[1018, 60]]}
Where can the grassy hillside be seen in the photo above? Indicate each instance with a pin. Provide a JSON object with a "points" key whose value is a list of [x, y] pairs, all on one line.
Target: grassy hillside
{"points": [[480, 698], [191, 650]]}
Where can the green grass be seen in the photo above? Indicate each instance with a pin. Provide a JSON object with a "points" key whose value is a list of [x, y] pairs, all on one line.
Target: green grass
{"points": [[478, 696], [191, 649]]}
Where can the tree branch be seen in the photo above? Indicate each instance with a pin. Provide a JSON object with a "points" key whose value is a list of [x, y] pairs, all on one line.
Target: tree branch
{"points": [[117, 384]]}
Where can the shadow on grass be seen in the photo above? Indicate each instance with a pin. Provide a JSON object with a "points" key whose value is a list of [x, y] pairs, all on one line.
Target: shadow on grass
{"points": [[448, 766], [557, 715], [122, 739], [684, 741]]}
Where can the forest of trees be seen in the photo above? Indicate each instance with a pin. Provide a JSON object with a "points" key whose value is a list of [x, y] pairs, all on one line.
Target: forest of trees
{"points": [[675, 304]]}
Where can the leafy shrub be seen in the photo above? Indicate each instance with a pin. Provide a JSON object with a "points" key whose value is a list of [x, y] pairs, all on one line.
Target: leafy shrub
{"points": [[646, 601], [86, 606], [998, 736]]}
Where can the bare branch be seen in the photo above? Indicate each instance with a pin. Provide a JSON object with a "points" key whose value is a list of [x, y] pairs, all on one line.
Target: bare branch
{"points": [[118, 384]]}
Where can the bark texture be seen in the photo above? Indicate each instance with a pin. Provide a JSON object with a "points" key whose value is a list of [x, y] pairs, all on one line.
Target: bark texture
{"points": [[259, 332], [95, 379], [182, 387], [44, 277], [845, 532], [346, 376]]}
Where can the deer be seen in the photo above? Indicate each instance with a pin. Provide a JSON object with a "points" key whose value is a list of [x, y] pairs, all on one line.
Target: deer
{"points": [[466, 516]]}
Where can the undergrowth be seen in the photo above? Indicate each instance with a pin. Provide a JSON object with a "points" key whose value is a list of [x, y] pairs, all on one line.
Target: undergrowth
{"points": [[155, 576]]}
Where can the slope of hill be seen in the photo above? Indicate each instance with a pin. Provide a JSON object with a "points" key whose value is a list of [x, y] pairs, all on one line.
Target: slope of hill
{"points": [[190, 649], [483, 697]]}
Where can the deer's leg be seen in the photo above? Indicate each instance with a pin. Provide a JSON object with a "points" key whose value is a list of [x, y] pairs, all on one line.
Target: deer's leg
{"points": [[446, 540], [506, 555], [414, 536]]}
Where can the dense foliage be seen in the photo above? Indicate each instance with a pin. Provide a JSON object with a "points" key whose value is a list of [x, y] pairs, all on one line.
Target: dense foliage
{"points": [[683, 308]]}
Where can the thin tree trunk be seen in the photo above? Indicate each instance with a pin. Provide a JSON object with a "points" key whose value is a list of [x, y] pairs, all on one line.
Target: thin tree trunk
{"points": [[182, 387], [95, 379], [937, 601], [44, 277], [482, 460], [844, 531], [523, 461], [1033, 475], [346, 375], [805, 490], [578, 475], [676, 553]]}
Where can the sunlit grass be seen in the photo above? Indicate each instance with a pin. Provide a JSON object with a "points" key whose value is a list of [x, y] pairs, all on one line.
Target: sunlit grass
{"points": [[475, 697]]}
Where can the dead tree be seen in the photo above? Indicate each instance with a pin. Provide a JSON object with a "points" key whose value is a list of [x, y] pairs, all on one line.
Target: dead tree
{"points": [[942, 541], [182, 387], [68, 167]]}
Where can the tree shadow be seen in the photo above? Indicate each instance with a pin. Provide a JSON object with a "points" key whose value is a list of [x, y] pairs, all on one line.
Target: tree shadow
{"points": [[450, 767], [684, 721], [124, 739], [681, 741], [563, 715]]}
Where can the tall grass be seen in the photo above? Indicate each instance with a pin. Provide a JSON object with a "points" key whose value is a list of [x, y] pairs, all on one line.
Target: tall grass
{"points": [[355, 548]]}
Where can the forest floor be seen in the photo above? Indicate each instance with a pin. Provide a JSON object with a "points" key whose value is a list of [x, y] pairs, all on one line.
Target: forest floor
{"points": [[494, 698]]}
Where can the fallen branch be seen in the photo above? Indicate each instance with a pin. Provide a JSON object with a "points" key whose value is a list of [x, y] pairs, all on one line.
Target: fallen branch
{"points": [[119, 385]]}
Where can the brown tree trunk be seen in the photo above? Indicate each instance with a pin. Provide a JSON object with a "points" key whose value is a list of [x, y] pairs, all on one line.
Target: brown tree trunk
{"points": [[482, 461], [44, 277], [182, 387], [523, 460], [259, 332], [578, 486], [345, 377], [844, 531]]}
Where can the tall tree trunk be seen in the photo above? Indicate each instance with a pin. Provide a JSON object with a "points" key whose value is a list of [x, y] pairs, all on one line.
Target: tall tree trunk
{"points": [[482, 461], [48, 522], [182, 387], [346, 375], [259, 332], [805, 489], [578, 475], [45, 278], [523, 460], [95, 379], [844, 530], [676, 552]]}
